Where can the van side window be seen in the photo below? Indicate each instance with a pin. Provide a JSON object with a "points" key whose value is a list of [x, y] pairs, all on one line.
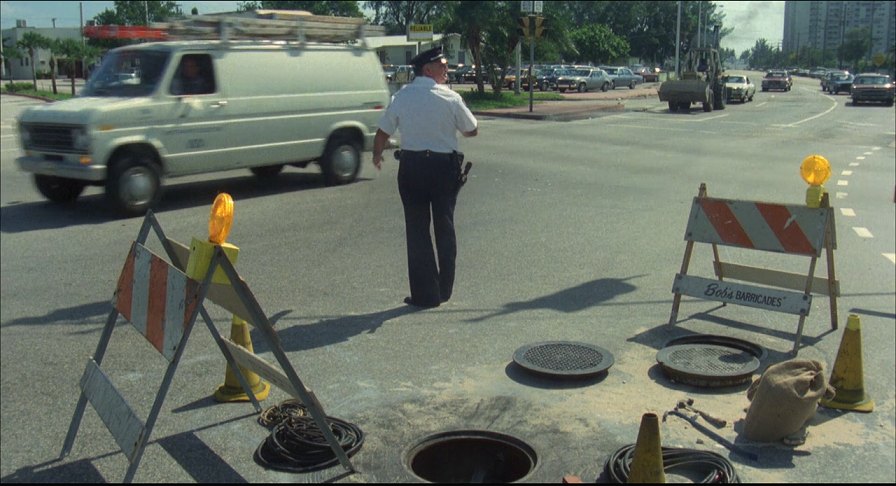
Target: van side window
{"points": [[194, 76]]}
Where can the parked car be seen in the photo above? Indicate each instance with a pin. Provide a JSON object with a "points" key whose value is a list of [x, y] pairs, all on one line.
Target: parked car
{"points": [[403, 74], [464, 74], [739, 88], [650, 75], [777, 79], [583, 80], [828, 76], [536, 79], [840, 82], [551, 75], [873, 88], [389, 72], [622, 76]]}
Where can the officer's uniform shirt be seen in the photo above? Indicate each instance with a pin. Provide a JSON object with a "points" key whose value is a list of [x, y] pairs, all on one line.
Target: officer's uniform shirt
{"points": [[428, 115]]}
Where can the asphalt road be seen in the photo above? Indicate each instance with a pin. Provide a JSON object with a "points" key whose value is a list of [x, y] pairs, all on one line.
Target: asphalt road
{"points": [[568, 231]]}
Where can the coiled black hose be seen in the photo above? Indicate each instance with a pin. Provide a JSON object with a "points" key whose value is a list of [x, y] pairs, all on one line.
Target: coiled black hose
{"points": [[296, 444], [716, 468]]}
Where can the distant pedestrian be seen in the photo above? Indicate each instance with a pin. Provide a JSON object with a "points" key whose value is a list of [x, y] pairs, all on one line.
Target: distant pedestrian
{"points": [[428, 114]]}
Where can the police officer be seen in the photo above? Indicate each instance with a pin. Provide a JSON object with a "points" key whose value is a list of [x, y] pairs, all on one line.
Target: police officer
{"points": [[429, 115]]}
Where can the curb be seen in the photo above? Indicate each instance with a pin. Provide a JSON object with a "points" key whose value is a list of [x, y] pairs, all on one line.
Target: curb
{"points": [[552, 115]]}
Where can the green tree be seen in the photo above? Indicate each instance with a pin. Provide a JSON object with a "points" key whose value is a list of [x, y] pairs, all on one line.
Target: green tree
{"points": [[337, 8], [30, 43], [854, 47], [72, 52], [598, 44], [395, 16]]}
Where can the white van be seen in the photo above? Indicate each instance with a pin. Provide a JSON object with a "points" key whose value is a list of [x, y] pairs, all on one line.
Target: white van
{"points": [[251, 104]]}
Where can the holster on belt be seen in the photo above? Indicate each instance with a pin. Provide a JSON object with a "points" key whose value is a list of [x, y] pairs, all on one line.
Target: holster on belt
{"points": [[462, 170]]}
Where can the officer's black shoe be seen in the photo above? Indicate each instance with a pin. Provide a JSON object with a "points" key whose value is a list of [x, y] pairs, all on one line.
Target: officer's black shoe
{"points": [[409, 301]]}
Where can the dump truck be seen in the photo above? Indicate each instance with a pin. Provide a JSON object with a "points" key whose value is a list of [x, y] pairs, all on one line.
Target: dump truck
{"points": [[701, 82]]}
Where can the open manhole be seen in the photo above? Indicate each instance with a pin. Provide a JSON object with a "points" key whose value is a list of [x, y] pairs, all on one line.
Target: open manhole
{"points": [[710, 361], [563, 359], [471, 456]]}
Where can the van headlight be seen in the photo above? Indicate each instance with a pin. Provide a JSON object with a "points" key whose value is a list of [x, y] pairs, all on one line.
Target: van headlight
{"points": [[80, 139]]}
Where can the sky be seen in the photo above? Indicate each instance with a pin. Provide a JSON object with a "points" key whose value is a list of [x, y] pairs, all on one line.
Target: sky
{"points": [[751, 20]]}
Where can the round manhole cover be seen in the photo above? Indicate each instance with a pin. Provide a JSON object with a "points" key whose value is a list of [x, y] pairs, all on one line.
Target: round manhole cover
{"points": [[709, 365], [471, 456], [564, 359]]}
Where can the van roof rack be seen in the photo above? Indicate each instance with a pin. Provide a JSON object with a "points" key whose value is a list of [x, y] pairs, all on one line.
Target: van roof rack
{"points": [[285, 25]]}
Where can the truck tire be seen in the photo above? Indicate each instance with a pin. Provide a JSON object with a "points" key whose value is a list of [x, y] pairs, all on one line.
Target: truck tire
{"points": [[134, 182], [673, 106], [718, 100], [341, 162], [58, 189]]}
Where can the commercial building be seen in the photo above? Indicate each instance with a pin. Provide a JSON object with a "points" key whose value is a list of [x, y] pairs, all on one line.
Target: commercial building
{"points": [[825, 25]]}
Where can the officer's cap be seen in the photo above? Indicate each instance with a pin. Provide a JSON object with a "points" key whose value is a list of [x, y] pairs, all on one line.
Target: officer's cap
{"points": [[427, 57]]}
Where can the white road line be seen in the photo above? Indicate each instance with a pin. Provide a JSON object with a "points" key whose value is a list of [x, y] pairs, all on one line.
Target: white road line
{"points": [[890, 256], [841, 182], [863, 232], [842, 195], [846, 173], [860, 158], [875, 148], [762, 104], [854, 164], [847, 212], [816, 116], [866, 153]]}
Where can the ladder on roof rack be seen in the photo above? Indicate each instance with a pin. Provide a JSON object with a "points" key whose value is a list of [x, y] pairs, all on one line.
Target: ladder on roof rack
{"points": [[293, 26]]}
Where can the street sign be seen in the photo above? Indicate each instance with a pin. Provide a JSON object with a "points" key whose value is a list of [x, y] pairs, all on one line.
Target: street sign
{"points": [[420, 32]]}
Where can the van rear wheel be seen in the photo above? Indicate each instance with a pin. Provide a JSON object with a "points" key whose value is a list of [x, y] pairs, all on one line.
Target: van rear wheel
{"points": [[341, 162], [134, 183], [58, 189]]}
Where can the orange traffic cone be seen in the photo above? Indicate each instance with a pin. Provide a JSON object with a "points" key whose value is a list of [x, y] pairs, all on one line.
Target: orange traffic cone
{"points": [[647, 460], [847, 377]]}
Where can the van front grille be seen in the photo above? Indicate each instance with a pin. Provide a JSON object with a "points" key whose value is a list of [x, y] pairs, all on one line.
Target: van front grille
{"points": [[51, 138]]}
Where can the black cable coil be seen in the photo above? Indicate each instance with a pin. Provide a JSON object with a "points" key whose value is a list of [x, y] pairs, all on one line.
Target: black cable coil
{"points": [[296, 443], [716, 468]]}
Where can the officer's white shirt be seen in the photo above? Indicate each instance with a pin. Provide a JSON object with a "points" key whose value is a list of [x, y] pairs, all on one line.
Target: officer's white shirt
{"points": [[428, 115]]}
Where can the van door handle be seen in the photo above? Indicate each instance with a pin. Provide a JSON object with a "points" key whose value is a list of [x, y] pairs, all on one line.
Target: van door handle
{"points": [[219, 104]]}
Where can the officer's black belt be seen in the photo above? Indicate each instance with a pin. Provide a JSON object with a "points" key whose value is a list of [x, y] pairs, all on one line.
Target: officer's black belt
{"points": [[426, 154]]}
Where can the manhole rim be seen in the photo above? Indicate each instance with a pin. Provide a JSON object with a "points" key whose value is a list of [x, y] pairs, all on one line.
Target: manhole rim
{"points": [[505, 438], [665, 352], [605, 364], [756, 350]]}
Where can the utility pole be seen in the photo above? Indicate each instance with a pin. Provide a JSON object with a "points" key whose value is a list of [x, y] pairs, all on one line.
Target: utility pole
{"points": [[678, 42]]}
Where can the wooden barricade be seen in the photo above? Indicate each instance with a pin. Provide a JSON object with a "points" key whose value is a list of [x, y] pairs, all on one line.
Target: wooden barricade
{"points": [[162, 303], [791, 229]]}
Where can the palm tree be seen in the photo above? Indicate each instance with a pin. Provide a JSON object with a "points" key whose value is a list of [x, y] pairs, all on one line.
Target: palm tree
{"points": [[30, 42], [75, 51]]}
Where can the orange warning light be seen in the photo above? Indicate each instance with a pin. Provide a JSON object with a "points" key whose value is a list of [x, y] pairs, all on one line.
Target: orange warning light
{"points": [[815, 170], [221, 219]]}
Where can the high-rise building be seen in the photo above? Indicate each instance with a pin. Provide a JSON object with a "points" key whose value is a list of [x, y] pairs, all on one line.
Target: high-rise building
{"points": [[825, 25]]}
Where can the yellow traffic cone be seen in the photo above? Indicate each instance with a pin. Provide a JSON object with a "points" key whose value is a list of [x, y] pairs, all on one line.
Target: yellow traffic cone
{"points": [[231, 391], [847, 378], [647, 460]]}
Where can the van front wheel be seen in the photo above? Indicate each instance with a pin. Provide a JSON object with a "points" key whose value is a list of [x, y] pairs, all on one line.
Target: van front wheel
{"points": [[134, 182], [341, 161], [58, 189]]}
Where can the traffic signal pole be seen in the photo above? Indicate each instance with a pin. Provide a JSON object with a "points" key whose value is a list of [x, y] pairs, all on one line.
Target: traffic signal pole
{"points": [[531, 60]]}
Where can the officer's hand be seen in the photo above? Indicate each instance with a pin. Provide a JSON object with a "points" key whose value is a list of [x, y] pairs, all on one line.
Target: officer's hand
{"points": [[378, 161]]}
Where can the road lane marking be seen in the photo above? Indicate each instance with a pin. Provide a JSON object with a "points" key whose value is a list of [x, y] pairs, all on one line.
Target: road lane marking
{"points": [[863, 232], [854, 164], [846, 173], [816, 116], [847, 212], [841, 182], [860, 158], [842, 195], [890, 256]]}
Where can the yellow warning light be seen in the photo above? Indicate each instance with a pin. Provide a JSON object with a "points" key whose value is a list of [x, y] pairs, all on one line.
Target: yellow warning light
{"points": [[221, 219], [815, 170]]}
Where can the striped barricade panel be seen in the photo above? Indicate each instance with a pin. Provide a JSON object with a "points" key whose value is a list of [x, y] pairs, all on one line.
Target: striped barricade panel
{"points": [[156, 298], [753, 225]]}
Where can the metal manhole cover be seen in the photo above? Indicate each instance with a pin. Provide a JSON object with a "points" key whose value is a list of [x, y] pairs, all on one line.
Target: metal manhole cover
{"points": [[563, 359], [710, 365]]}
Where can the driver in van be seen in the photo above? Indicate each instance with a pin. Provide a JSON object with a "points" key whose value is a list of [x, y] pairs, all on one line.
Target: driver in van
{"points": [[190, 79]]}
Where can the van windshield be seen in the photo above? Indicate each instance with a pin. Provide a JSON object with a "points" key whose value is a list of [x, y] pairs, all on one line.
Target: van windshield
{"points": [[127, 73]]}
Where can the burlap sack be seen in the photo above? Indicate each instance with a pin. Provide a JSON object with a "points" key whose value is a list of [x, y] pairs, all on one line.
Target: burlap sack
{"points": [[784, 398]]}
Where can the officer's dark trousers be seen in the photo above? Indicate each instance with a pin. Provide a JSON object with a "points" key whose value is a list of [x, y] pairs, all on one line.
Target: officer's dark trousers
{"points": [[428, 184]]}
